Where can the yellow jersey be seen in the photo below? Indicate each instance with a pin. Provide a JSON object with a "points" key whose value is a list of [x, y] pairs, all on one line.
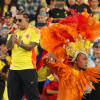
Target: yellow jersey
{"points": [[22, 59], [2, 64], [5, 94], [42, 74]]}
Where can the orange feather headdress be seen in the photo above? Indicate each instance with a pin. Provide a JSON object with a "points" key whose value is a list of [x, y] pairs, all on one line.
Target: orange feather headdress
{"points": [[77, 27], [66, 40]]}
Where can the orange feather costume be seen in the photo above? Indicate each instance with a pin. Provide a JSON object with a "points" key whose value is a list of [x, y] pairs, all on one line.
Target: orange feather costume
{"points": [[56, 38]]}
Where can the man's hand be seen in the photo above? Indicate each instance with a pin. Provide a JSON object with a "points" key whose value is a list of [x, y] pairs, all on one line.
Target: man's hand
{"points": [[5, 32], [15, 26], [16, 40]]}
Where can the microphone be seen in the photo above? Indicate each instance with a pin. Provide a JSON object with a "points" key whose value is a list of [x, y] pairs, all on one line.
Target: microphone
{"points": [[12, 31]]}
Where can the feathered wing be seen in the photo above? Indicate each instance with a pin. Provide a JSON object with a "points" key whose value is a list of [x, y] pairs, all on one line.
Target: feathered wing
{"points": [[86, 77], [73, 78]]}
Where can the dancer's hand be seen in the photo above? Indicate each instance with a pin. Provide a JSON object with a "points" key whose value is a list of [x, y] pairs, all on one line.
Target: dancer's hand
{"points": [[51, 58]]}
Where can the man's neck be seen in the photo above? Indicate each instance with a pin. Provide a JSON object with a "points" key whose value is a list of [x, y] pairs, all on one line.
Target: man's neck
{"points": [[26, 26]]}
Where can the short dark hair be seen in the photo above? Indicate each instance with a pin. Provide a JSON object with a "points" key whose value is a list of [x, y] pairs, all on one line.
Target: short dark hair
{"points": [[13, 4], [3, 40], [96, 44], [24, 13]]}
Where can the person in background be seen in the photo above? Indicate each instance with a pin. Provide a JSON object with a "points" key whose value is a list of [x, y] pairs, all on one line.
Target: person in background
{"points": [[95, 94], [4, 68], [41, 20], [22, 78], [95, 9], [50, 89], [8, 24], [57, 10], [80, 7], [41, 9], [30, 6], [96, 54], [70, 3], [41, 16], [14, 8], [3, 9], [42, 70]]}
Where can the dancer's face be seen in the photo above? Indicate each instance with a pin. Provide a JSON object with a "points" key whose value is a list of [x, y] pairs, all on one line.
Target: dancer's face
{"points": [[82, 61]]}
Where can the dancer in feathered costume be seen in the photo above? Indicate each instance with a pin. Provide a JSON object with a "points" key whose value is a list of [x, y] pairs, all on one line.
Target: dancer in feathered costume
{"points": [[69, 40]]}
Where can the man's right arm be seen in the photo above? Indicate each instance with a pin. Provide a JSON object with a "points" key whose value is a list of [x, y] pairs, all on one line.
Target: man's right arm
{"points": [[10, 43]]}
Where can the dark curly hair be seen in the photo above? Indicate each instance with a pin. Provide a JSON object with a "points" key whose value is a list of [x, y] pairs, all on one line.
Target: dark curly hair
{"points": [[3, 40]]}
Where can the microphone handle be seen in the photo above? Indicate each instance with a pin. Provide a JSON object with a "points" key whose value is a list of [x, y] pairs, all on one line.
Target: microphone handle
{"points": [[12, 31]]}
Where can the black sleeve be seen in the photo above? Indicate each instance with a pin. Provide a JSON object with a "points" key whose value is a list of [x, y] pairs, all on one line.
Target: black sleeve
{"points": [[89, 10], [5, 68], [50, 13], [48, 2]]}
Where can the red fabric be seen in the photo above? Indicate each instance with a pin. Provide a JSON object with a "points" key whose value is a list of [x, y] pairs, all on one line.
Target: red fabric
{"points": [[24, 97], [53, 85], [49, 21], [40, 63], [89, 2], [2, 21]]}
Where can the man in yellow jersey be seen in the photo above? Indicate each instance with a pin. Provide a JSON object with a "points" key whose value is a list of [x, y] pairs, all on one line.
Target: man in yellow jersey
{"points": [[22, 78]]}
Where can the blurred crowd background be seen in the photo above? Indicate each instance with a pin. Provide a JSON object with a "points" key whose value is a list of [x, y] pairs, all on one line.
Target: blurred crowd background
{"points": [[42, 13]]}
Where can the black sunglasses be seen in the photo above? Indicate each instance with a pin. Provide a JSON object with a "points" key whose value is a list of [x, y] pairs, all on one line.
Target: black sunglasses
{"points": [[19, 20]]}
